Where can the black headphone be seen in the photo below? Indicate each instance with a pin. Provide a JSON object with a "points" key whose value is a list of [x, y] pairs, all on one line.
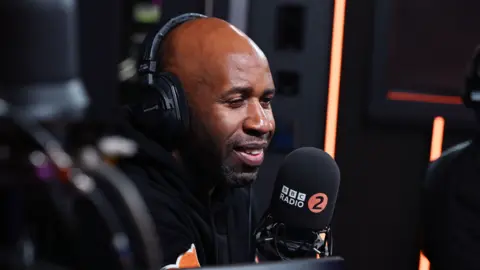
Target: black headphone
{"points": [[162, 112], [471, 95]]}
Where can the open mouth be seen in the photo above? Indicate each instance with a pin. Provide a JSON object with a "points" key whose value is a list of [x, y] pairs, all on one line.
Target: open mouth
{"points": [[251, 155]]}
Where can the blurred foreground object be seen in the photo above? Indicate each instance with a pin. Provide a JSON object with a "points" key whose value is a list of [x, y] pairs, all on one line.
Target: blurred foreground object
{"points": [[60, 209]]}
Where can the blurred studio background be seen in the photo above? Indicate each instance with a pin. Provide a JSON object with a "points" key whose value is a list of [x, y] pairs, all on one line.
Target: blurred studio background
{"points": [[375, 83]]}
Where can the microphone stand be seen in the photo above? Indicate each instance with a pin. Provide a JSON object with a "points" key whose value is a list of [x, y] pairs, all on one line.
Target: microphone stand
{"points": [[275, 241]]}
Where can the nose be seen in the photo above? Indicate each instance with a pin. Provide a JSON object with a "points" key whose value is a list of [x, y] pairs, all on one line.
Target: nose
{"points": [[258, 121]]}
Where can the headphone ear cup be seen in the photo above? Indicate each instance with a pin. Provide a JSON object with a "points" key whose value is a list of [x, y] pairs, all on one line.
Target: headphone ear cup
{"points": [[162, 114], [171, 85], [148, 117]]}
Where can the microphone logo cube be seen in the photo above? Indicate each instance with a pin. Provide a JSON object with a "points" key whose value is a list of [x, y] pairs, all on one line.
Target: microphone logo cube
{"points": [[292, 197]]}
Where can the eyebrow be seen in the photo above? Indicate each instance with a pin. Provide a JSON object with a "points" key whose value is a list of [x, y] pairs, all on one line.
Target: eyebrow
{"points": [[246, 90], [269, 91]]}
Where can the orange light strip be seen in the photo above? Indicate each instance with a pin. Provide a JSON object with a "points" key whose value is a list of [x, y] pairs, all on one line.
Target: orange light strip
{"points": [[335, 74], [436, 147], [437, 138], [427, 98], [424, 263]]}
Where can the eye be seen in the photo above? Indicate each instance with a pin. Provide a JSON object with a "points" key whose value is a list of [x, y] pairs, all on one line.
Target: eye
{"points": [[265, 101], [236, 103]]}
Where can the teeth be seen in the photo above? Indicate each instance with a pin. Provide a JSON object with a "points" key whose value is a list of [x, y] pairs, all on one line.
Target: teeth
{"points": [[253, 151]]}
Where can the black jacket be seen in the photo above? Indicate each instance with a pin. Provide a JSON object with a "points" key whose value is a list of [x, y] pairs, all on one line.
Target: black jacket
{"points": [[218, 227], [451, 209]]}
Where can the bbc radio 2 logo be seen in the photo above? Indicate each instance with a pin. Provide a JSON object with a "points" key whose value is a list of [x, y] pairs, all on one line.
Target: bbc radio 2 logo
{"points": [[293, 197], [316, 203]]}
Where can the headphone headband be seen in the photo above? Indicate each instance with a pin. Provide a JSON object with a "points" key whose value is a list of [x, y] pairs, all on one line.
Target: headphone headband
{"points": [[148, 63]]}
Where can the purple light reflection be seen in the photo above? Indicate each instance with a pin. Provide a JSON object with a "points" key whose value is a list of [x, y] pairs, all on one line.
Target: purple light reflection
{"points": [[45, 172]]}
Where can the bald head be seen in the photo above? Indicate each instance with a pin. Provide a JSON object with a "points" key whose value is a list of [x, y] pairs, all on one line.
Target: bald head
{"points": [[228, 85], [201, 49]]}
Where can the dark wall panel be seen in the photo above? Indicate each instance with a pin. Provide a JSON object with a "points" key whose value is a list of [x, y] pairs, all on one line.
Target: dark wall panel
{"points": [[99, 31]]}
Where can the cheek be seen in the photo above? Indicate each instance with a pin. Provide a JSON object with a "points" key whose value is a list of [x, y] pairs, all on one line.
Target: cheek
{"points": [[226, 123]]}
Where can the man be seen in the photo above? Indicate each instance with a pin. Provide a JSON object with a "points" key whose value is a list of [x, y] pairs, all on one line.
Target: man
{"points": [[199, 193], [451, 204]]}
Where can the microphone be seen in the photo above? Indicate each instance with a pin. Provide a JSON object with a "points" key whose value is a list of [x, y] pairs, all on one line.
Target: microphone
{"points": [[41, 59], [297, 223]]}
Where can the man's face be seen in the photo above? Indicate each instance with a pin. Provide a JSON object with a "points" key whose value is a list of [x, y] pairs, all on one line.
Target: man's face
{"points": [[232, 119]]}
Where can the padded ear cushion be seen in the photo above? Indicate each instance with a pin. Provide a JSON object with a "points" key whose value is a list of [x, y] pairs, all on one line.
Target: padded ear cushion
{"points": [[163, 113], [170, 84]]}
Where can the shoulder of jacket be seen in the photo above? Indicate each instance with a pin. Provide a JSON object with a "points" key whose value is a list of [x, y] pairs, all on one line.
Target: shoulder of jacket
{"points": [[437, 170]]}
